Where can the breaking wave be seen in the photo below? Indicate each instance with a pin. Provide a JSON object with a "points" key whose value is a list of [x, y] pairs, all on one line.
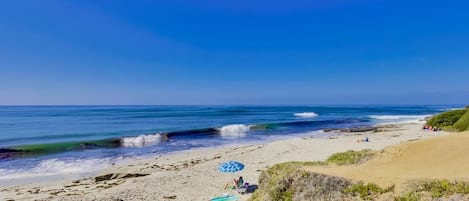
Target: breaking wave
{"points": [[143, 140], [234, 130], [452, 108], [400, 118], [306, 114]]}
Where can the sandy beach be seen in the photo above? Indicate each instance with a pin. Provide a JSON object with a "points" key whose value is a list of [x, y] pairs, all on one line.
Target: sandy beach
{"points": [[193, 175], [218, 100]]}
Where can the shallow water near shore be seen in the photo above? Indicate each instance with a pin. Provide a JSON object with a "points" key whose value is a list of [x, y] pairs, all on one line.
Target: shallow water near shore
{"points": [[61, 140]]}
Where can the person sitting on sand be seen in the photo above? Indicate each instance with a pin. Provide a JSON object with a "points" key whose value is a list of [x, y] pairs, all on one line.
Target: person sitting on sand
{"points": [[235, 183], [365, 139], [240, 182], [231, 184]]}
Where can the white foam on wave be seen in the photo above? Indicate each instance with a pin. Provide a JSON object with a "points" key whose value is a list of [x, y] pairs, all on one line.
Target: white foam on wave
{"points": [[55, 167], [306, 114], [453, 108], [400, 118], [143, 140], [234, 130]]}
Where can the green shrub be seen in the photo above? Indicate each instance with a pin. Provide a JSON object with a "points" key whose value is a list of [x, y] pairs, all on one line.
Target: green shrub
{"points": [[446, 119], [439, 188], [275, 182], [283, 181], [367, 191], [350, 157], [411, 196], [463, 123]]}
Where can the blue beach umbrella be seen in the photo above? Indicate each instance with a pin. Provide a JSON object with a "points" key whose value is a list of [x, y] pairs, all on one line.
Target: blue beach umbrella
{"points": [[230, 167]]}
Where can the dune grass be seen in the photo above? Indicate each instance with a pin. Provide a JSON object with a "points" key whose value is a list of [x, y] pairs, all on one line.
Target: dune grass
{"points": [[350, 157], [272, 183], [463, 122], [440, 188], [276, 183], [446, 120], [410, 196], [367, 191]]}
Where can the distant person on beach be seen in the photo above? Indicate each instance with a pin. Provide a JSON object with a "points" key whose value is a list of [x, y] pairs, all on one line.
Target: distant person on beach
{"points": [[231, 184], [235, 183], [240, 182], [431, 128], [366, 139]]}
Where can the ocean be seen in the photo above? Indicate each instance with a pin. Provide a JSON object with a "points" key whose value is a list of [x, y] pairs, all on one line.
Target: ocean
{"points": [[44, 141]]}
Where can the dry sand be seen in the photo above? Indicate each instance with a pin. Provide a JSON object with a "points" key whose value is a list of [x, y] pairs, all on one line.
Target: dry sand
{"points": [[192, 175], [444, 157]]}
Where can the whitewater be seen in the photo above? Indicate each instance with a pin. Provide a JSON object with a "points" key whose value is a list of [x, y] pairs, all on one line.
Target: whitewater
{"points": [[40, 141]]}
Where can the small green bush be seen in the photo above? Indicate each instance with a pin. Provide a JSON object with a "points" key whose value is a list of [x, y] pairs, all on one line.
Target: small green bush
{"points": [[411, 196], [350, 157], [439, 188], [275, 182], [367, 191], [446, 119]]}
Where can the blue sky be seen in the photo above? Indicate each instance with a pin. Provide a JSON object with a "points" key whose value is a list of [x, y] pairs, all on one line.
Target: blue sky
{"points": [[234, 52]]}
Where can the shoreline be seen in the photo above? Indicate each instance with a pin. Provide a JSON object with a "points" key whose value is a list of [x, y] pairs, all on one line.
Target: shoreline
{"points": [[192, 174]]}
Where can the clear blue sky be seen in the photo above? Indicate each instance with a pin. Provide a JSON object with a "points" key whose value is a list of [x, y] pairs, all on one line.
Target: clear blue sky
{"points": [[234, 52]]}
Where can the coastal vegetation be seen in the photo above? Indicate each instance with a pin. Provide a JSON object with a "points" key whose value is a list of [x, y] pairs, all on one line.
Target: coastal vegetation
{"points": [[454, 120], [350, 157], [463, 122], [289, 180], [410, 196], [293, 181], [440, 188], [367, 191]]}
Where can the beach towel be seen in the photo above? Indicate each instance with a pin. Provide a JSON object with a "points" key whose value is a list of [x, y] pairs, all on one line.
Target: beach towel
{"points": [[225, 198]]}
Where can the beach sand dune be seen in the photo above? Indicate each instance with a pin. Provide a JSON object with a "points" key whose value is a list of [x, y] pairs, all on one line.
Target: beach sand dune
{"points": [[444, 157]]}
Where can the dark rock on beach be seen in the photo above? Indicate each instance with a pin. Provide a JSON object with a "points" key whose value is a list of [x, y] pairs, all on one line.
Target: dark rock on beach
{"points": [[107, 177], [360, 129], [352, 130]]}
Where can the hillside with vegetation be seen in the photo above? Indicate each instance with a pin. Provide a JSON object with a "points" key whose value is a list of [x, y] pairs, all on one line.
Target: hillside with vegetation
{"points": [[454, 120], [298, 181], [290, 181]]}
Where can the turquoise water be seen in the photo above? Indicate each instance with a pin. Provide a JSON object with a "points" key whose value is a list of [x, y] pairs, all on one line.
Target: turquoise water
{"points": [[48, 140]]}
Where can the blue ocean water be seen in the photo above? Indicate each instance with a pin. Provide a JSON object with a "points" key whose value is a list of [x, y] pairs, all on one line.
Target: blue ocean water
{"points": [[49, 140]]}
